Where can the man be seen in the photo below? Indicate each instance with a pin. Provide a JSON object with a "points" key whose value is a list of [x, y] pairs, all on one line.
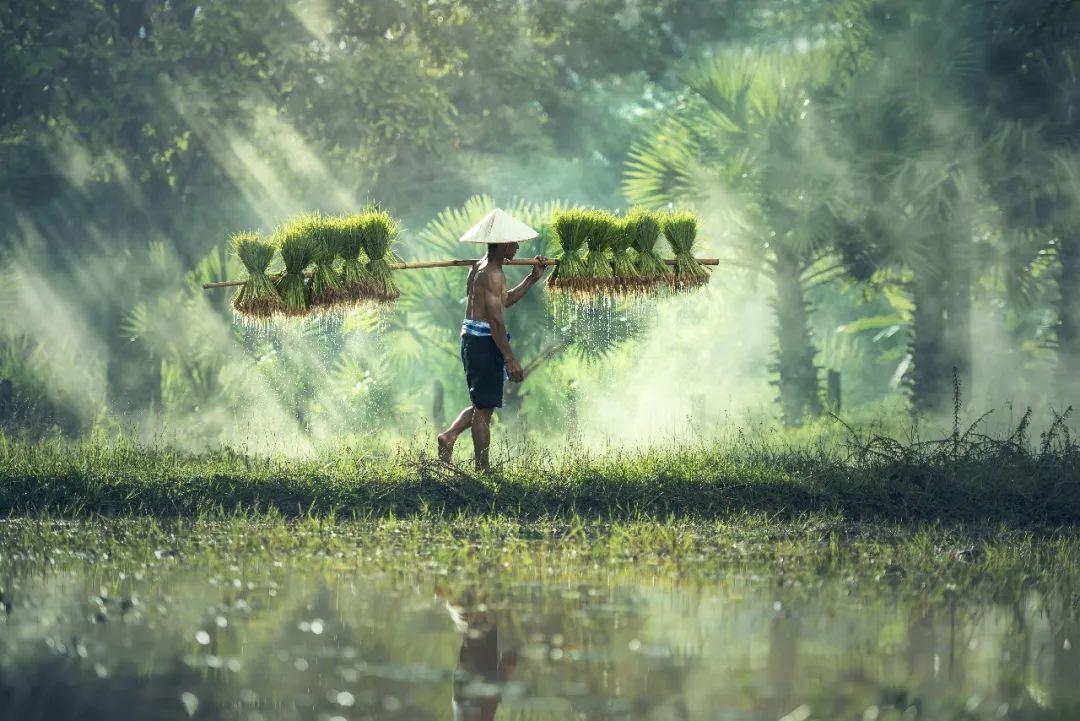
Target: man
{"points": [[484, 665], [485, 344]]}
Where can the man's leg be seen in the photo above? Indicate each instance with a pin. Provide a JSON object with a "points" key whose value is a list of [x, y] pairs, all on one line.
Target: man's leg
{"points": [[481, 437], [450, 435]]}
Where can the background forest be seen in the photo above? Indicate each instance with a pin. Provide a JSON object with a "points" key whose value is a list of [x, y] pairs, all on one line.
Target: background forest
{"points": [[891, 185]]}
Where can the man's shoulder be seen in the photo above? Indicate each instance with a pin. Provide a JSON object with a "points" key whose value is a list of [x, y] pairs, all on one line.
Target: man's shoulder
{"points": [[489, 271], [485, 267]]}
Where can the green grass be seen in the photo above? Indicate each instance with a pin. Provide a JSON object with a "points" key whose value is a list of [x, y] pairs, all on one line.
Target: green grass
{"points": [[965, 555], [952, 480]]}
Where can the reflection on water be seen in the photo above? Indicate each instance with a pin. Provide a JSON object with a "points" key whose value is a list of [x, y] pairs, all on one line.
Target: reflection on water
{"points": [[285, 639]]}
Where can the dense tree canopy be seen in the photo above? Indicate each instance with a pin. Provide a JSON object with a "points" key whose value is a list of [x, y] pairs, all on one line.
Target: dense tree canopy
{"points": [[926, 149]]}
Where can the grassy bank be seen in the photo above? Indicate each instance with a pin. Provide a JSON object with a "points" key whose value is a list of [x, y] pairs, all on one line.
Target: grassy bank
{"points": [[958, 479], [922, 559]]}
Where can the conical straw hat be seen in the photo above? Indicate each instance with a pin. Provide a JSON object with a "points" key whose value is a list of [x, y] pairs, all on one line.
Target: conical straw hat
{"points": [[499, 226]]}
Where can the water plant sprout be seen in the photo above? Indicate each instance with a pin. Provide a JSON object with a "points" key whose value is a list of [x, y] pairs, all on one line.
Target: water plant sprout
{"points": [[620, 259], [602, 229], [379, 231], [257, 298], [296, 243], [680, 229], [643, 229], [326, 288], [358, 285], [627, 278], [570, 227]]}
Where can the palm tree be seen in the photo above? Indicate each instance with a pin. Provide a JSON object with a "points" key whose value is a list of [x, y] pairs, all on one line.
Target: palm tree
{"points": [[958, 120], [905, 136], [740, 148], [1031, 86]]}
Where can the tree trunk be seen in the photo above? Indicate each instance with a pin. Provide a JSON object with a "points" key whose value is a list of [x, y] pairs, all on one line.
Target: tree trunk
{"points": [[438, 405], [800, 391], [1068, 329], [782, 661], [1065, 659], [929, 384], [941, 339], [958, 319]]}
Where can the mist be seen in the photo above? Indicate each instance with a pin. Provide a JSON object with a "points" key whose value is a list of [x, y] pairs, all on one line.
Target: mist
{"points": [[883, 204]]}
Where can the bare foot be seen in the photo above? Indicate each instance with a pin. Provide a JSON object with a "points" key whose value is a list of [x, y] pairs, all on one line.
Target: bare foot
{"points": [[446, 447]]}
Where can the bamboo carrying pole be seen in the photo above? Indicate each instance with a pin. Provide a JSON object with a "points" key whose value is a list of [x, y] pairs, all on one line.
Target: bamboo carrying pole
{"points": [[457, 263]]}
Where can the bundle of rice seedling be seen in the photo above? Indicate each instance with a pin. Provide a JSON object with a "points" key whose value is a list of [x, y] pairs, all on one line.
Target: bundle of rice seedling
{"points": [[358, 285], [644, 230], [257, 298], [296, 242], [599, 238], [627, 279], [326, 289], [571, 227], [379, 231], [680, 229]]}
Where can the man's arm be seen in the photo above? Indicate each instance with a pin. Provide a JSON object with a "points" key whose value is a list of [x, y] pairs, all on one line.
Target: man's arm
{"points": [[495, 290], [518, 291]]}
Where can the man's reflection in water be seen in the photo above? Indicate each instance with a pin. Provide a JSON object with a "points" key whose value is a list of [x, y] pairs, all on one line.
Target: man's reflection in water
{"points": [[483, 665]]}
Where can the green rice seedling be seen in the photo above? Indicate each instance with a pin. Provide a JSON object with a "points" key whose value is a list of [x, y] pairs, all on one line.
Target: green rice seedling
{"points": [[601, 234], [326, 287], [296, 242], [627, 279], [644, 230], [571, 227], [358, 285], [680, 229], [257, 298], [379, 231]]}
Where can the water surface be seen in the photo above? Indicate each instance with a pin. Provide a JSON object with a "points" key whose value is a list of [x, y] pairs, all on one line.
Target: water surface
{"points": [[262, 634]]}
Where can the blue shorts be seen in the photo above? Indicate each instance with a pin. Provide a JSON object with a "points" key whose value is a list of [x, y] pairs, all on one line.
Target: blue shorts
{"points": [[484, 370]]}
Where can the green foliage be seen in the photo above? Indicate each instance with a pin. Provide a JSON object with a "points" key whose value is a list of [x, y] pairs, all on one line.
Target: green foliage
{"points": [[257, 298], [925, 148], [30, 406], [744, 145]]}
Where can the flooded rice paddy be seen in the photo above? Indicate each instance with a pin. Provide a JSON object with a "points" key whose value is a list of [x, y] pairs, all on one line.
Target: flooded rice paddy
{"points": [[422, 620]]}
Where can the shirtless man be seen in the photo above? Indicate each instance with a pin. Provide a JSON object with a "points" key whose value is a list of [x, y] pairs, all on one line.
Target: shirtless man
{"points": [[485, 348], [485, 660]]}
